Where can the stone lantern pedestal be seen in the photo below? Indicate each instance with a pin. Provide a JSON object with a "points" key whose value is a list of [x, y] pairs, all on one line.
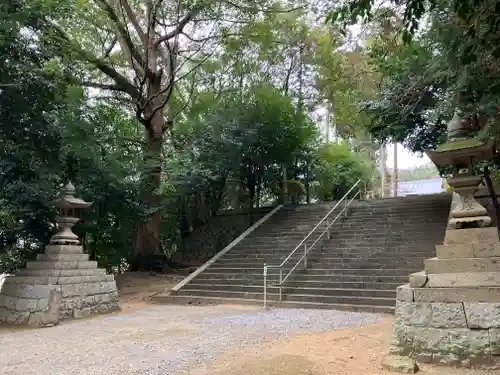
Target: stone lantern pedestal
{"points": [[449, 313], [61, 283]]}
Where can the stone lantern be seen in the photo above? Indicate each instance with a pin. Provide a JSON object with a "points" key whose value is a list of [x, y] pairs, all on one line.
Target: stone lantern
{"points": [[62, 282], [450, 312], [67, 205]]}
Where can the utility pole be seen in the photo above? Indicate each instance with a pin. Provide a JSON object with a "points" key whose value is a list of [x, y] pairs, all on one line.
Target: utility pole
{"points": [[395, 177], [382, 171]]}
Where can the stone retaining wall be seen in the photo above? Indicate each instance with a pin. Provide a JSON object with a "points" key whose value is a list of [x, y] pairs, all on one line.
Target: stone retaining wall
{"points": [[60, 284]]}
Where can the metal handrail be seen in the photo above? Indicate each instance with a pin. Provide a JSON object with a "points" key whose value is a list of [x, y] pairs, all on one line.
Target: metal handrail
{"points": [[304, 244]]}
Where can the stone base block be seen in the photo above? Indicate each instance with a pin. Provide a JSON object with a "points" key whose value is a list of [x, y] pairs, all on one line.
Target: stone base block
{"points": [[42, 297], [460, 334], [462, 265], [471, 235], [461, 222], [469, 279], [458, 294], [470, 250]]}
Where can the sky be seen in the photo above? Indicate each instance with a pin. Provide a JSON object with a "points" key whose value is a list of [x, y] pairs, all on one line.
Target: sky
{"points": [[406, 159]]}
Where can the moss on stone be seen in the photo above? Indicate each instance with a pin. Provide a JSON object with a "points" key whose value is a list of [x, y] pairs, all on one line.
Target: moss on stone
{"points": [[457, 145]]}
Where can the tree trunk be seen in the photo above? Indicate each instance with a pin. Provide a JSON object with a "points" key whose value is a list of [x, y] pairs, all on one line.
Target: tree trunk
{"points": [[148, 229]]}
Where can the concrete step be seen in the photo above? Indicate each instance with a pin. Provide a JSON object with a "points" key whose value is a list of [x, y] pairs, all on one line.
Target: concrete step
{"points": [[294, 297], [338, 262], [222, 283], [289, 289], [201, 301], [325, 271], [324, 254], [300, 277]]}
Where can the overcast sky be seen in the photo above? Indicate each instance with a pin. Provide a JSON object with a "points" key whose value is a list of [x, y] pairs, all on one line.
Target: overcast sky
{"points": [[406, 159]]}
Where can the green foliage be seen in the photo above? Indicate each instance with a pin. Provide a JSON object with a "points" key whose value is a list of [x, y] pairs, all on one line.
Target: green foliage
{"points": [[338, 166], [241, 116]]}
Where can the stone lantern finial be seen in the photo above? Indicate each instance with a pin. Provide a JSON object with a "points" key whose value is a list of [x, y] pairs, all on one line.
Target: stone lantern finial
{"points": [[66, 218]]}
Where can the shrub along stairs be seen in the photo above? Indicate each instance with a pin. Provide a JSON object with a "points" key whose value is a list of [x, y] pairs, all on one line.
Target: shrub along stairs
{"points": [[369, 254]]}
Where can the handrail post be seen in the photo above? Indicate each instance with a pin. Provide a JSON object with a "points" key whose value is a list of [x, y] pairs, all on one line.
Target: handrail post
{"points": [[345, 207], [281, 281], [305, 256], [328, 228], [265, 285]]}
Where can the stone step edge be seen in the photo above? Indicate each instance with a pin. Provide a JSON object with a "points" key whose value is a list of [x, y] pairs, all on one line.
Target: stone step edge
{"points": [[199, 300], [64, 265], [56, 273], [286, 286], [291, 295], [56, 280]]}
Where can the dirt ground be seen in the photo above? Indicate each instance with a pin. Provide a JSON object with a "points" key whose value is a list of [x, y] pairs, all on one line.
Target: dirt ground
{"points": [[136, 288], [351, 351]]}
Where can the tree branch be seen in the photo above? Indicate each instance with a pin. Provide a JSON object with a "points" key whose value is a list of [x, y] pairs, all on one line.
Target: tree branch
{"points": [[104, 67], [133, 19], [122, 34], [180, 26]]}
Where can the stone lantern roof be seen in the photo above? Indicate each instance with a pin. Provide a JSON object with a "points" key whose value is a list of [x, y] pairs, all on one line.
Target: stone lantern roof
{"points": [[68, 200]]}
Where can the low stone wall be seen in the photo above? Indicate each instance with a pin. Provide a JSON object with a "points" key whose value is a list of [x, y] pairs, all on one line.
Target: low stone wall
{"points": [[465, 334], [61, 284], [219, 232]]}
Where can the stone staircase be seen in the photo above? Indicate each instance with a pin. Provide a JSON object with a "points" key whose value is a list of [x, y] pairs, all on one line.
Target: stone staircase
{"points": [[369, 254]]}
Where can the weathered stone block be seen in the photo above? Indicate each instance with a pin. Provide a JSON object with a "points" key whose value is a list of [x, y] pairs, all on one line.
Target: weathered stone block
{"points": [[42, 304], [50, 265], [24, 304], [88, 264], [469, 279], [418, 279], [435, 315], [83, 272], [462, 265], [18, 317], [104, 308], [71, 303], [482, 315], [447, 315], [88, 301], [81, 313], [3, 314], [27, 291], [402, 364], [31, 280], [62, 257], [10, 302], [486, 250], [24, 272], [405, 293], [457, 236], [494, 341], [427, 339], [108, 287], [481, 294], [64, 249], [455, 251], [64, 280], [2, 300]]}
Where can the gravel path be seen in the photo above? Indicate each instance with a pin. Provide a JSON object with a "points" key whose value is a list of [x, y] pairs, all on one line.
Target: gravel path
{"points": [[161, 340]]}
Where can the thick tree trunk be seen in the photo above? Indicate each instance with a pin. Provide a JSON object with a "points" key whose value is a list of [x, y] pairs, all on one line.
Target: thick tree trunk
{"points": [[147, 245]]}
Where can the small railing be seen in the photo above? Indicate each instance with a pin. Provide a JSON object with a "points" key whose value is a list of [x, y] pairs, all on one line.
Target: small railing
{"points": [[303, 244]]}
